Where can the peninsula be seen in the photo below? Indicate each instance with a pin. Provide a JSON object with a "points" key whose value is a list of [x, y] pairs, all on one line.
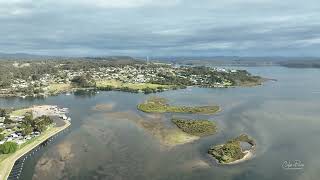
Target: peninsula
{"points": [[24, 129], [42, 78]]}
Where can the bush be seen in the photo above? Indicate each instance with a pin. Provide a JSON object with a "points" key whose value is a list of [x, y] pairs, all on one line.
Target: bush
{"points": [[1, 137], [196, 127], [8, 148]]}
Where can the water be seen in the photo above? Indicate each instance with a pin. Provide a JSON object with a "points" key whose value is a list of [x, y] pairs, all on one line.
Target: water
{"points": [[108, 143]]}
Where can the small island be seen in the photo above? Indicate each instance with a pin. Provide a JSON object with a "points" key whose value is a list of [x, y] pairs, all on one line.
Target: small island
{"points": [[160, 105], [21, 130], [196, 127], [234, 151]]}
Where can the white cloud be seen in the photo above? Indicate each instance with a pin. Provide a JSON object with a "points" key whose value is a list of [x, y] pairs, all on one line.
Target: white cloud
{"points": [[15, 7], [123, 3], [309, 42]]}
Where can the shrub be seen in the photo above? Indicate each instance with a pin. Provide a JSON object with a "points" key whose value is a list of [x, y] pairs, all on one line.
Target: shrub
{"points": [[8, 148]]}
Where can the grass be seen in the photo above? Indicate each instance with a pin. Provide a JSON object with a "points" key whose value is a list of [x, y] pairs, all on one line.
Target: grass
{"points": [[160, 105], [230, 151], [134, 86], [196, 127], [59, 88], [20, 112]]}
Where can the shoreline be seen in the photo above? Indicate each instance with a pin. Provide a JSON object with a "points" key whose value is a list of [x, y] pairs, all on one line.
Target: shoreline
{"points": [[249, 154], [246, 157], [130, 90], [8, 163]]}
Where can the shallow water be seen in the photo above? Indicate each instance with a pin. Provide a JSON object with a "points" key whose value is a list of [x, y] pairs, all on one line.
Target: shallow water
{"points": [[105, 142]]}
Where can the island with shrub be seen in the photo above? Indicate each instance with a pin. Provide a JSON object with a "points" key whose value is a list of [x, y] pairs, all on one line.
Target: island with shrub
{"points": [[196, 127], [161, 105], [234, 151]]}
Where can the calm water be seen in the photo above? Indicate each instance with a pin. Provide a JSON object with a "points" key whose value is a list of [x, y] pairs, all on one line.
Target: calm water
{"points": [[107, 143]]}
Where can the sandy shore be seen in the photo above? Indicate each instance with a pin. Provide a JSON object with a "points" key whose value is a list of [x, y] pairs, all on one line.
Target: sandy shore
{"points": [[247, 156], [7, 164]]}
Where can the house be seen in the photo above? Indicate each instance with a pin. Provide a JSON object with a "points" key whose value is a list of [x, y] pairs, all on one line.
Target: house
{"points": [[14, 135]]}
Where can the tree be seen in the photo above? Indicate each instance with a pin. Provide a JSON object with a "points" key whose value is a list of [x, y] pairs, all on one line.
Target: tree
{"points": [[26, 130], [8, 147], [28, 119], [1, 137], [3, 112], [83, 81], [7, 120], [42, 123]]}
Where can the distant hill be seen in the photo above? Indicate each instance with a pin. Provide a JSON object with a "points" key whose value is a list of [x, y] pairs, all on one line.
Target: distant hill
{"points": [[291, 62], [302, 64], [23, 56], [30, 57]]}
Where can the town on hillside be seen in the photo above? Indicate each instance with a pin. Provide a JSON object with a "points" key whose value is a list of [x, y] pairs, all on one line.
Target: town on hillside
{"points": [[43, 78]]}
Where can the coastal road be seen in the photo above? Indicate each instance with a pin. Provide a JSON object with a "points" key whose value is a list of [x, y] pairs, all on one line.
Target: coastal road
{"points": [[7, 164]]}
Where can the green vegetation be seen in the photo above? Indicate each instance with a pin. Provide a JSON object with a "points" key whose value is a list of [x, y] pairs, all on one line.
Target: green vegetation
{"points": [[196, 127], [40, 78], [8, 147], [230, 151], [3, 112], [31, 124], [56, 88], [109, 85], [20, 112], [1, 137], [84, 81], [160, 105]]}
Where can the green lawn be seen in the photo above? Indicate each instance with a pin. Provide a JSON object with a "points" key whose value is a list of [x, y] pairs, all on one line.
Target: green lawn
{"points": [[20, 112], [134, 86], [59, 88]]}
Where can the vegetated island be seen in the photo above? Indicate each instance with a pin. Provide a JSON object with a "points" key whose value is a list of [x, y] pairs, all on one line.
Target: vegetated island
{"points": [[234, 151], [22, 130], [42, 78], [160, 105], [196, 127]]}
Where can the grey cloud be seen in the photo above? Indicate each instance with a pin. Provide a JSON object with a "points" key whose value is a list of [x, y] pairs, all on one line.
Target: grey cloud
{"points": [[149, 27]]}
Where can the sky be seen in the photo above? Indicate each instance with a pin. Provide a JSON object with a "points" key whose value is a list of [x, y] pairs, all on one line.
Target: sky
{"points": [[161, 27]]}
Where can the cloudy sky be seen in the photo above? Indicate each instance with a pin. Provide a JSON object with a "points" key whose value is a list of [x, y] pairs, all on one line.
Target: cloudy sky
{"points": [[161, 27]]}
